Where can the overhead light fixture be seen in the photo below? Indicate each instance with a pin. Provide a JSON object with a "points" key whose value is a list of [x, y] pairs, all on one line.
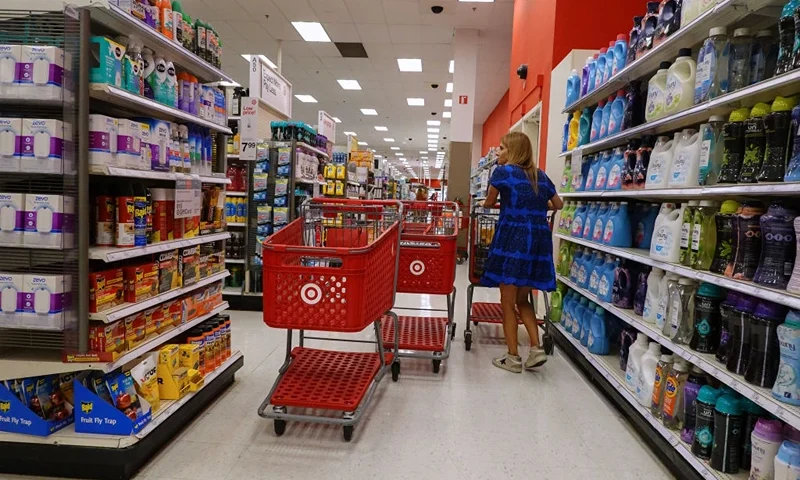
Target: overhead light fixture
{"points": [[336, 119], [423, 151], [409, 64], [363, 144], [434, 123], [447, 114], [433, 135], [225, 83], [389, 140], [399, 154], [349, 84], [352, 134], [452, 66], [449, 88], [395, 148], [433, 130], [381, 129], [311, 31], [431, 149], [306, 98], [423, 158], [416, 102], [369, 111], [448, 103]]}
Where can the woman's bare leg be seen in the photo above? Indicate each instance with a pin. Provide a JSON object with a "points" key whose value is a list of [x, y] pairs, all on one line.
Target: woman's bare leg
{"points": [[508, 300], [527, 314]]}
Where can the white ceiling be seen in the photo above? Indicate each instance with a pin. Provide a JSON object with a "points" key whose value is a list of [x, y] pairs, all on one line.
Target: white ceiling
{"points": [[389, 29]]}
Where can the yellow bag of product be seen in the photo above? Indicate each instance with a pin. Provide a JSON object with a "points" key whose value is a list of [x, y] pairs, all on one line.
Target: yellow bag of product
{"points": [[144, 375]]}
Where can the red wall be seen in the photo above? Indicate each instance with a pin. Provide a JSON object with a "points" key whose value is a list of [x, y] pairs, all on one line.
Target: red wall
{"points": [[496, 125]]}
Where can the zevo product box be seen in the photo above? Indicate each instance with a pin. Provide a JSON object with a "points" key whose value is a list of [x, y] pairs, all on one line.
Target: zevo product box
{"points": [[103, 141], [146, 156], [141, 282], [129, 143], [12, 286], [45, 299], [40, 72], [10, 56], [105, 290], [49, 221], [107, 338], [107, 63], [190, 265], [12, 218], [10, 141], [42, 145], [159, 145], [169, 274]]}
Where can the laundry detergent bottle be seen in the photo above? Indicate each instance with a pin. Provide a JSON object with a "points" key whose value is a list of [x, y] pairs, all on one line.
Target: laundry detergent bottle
{"points": [[704, 235], [660, 164], [591, 217], [711, 151], [647, 374], [600, 70], [606, 120], [605, 289], [778, 132], [763, 359], [755, 142], [680, 83], [711, 79], [706, 319], [617, 165], [618, 227], [665, 246], [778, 247], [723, 251], [653, 294], [573, 88], [728, 423], [663, 368], [645, 224], [635, 354], [620, 53], [687, 223], [617, 112], [585, 128], [598, 335], [593, 73], [672, 409], [585, 76], [787, 383], [597, 121], [574, 130], [657, 94], [733, 146], [686, 162], [696, 380], [747, 241], [600, 222], [601, 181]]}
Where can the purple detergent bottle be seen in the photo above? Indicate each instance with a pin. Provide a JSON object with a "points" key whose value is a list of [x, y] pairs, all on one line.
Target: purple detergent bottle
{"points": [[778, 247], [726, 317], [764, 358], [626, 339], [739, 352], [746, 244], [641, 291], [623, 290], [697, 378]]}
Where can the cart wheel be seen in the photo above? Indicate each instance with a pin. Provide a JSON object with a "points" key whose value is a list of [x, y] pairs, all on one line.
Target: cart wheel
{"points": [[436, 365], [395, 374], [474, 322], [348, 433], [548, 344], [280, 427], [468, 339]]}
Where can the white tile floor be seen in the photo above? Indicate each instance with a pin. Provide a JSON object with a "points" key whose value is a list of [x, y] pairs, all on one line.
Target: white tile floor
{"points": [[472, 421]]}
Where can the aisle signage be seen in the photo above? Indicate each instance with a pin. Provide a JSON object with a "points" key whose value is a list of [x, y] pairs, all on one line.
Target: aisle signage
{"points": [[188, 198], [326, 126], [248, 132], [270, 87]]}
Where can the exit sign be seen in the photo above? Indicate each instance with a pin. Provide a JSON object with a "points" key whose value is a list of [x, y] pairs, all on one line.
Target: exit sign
{"points": [[463, 99]]}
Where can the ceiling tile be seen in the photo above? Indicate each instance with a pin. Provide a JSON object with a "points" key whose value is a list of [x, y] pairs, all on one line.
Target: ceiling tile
{"points": [[373, 32], [334, 11], [296, 10], [401, 12], [365, 11], [342, 32]]}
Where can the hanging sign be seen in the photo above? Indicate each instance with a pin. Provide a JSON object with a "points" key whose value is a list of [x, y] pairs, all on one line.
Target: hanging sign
{"points": [[326, 126], [270, 87], [248, 131]]}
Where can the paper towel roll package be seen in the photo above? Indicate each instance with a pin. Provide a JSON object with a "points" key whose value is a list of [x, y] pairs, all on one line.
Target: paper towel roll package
{"points": [[45, 299], [129, 143], [11, 292], [9, 64], [40, 72], [104, 141], [12, 218], [42, 145], [49, 221], [10, 141]]}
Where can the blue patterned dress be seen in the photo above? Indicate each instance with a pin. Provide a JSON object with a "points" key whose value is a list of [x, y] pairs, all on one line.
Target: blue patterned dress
{"points": [[521, 252]]}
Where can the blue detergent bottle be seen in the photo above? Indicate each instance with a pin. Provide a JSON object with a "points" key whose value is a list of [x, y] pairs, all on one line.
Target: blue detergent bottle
{"points": [[620, 53], [573, 88], [565, 312], [595, 272], [585, 76], [599, 222], [577, 321], [565, 138], [616, 168], [606, 117], [618, 228], [597, 120], [601, 180], [606, 287], [588, 224], [576, 228], [594, 166], [585, 166], [643, 230], [593, 73], [586, 328], [609, 62], [618, 107], [598, 333], [600, 71], [585, 131], [584, 269], [576, 263]]}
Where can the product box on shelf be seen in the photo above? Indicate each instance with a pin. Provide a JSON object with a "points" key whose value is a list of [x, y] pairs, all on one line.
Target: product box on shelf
{"points": [[107, 339], [40, 72], [22, 401], [42, 145], [105, 290], [129, 143], [104, 141], [49, 221], [107, 67], [159, 142], [169, 273], [45, 301], [141, 282], [114, 408], [10, 140], [190, 265], [12, 55], [12, 286], [190, 354], [136, 330], [172, 312], [173, 378], [156, 320], [12, 218], [145, 158]]}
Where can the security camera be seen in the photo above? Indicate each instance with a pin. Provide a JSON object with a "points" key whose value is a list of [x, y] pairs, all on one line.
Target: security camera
{"points": [[437, 9], [434, 113], [434, 85], [444, 138], [410, 139]]}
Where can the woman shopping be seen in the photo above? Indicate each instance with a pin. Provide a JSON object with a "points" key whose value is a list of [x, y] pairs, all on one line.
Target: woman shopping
{"points": [[521, 254]]}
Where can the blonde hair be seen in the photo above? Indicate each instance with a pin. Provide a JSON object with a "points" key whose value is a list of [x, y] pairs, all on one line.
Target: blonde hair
{"points": [[520, 153]]}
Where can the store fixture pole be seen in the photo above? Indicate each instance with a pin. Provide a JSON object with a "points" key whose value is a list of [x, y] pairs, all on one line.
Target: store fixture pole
{"points": [[280, 56], [83, 180]]}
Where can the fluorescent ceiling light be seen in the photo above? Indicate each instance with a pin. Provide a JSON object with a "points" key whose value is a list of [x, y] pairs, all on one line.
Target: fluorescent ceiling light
{"points": [[416, 102], [447, 114], [306, 98], [423, 158], [409, 64], [433, 130], [225, 83], [369, 111], [395, 148], [381, 129], [363, 144], [399, 154], [311, 31], [389, 140], [433, 135], [449, 88], [452, 67], [263, 59], [349, 84], [352, 134], [431, 149], [448, 103], [336, 119], [423, 151], [434, 123]]}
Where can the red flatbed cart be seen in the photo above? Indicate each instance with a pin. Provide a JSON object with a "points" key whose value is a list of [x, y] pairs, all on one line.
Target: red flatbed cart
{"points": [[482, 225], [427, 266], [334, 269]]}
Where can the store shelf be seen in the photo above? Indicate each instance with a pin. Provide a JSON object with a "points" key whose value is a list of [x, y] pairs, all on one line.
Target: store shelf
{"points": [[234, 118], [237, 224], [141, 105], [113, 254], [642, 256], [68, 436], [305, 181], [118, 20], [232, 291], [707, 362], [230, 193], [233, 157], [316, 150], [354, 183], [608, 367], [127, 309], [152, 175], [724, 14], [727, 191], [234, 260]]}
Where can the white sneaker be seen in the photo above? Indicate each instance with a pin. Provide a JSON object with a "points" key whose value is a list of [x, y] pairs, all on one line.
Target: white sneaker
{"points": [[536, 358], [512, 363]]}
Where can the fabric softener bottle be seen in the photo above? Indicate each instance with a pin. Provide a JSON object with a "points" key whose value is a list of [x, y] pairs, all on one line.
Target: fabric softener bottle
{"points": [[778, 247], [723, 251], [777, 130], [787, 383], [746, 243], [733, 153]]}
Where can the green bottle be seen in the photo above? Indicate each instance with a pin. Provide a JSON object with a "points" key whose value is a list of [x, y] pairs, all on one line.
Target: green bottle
{"points": [[201, 37], [566, 178], [704, 235], [177, 22], [686, 232], [556, 302]]}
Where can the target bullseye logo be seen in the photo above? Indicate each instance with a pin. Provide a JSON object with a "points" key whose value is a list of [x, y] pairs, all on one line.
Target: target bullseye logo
{"points": [[311, 294], [417, 268]]}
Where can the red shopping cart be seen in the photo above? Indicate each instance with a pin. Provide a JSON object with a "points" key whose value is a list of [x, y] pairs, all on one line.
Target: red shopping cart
{"points": [[334, 269], [482, 225], [427, 266]]}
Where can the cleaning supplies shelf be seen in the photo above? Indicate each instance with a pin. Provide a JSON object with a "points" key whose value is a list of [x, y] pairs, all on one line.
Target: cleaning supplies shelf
{"points": [[707, 362], [126, 309], [142, 105], [642, 256], [316, 150], [113, 254], [726, 191], [152, 175], [235, 194]]}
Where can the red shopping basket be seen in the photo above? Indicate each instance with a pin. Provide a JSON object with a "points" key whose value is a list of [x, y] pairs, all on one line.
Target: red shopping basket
{"points": [[334, 268], [428, 248]]}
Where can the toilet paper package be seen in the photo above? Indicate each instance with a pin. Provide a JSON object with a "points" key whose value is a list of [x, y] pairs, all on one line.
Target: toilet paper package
{"points": [[49, 221], [40, 72], [11, 296], [45, 298], [129, 144], [10, 142], [107, 63], [103, 141], [12, 218], [42, 145], [9, 66]]}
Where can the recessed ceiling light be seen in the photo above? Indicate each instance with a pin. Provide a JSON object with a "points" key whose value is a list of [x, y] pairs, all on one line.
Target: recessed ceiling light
{"points": [[363, 144], [409, 64], [352, 134], [306, 98], [311, 31], [448, 103], [349, 84], [336, 119], [423, 158], [369, 111], [447, 114], [389, 140], [395, 148], [452, 67], [434, 123], [423, 151], [449, 88], [399, 154], [431, 149], [381, 129], [433, 130], [416, 102], [433, 135]]}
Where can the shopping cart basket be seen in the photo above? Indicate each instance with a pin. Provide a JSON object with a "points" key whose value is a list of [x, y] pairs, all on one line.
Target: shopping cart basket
{"points": [[334, 269], [482, 225], [427, 266]]}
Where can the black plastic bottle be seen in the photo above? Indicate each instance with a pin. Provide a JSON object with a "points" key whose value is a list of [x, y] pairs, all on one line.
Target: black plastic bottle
{"points": [[754, 143], [633, 39], [630, 164], [746, 244], [777, 130], [642, 162], [704, 422], [648, 32], [762, 365], [739, 351], [633, 115], [669, 19], [728, 422], [726, 316], [706, 319], [723, 252], [733, 149], [786, 40]]}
